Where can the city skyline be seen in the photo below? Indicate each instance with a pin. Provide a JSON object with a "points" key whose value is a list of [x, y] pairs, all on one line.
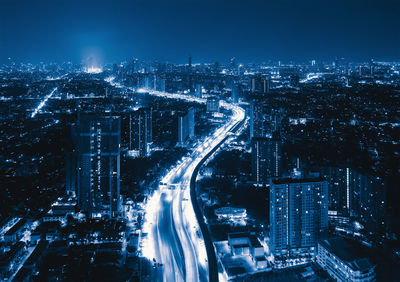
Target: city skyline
{"points": [[199, 140], [254, 31]]}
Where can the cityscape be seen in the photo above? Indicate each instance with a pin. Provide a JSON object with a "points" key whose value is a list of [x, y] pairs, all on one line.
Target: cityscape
{"points": [[133, 167]]}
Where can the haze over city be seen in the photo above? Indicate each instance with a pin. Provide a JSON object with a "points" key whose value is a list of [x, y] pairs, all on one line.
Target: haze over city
{"points": [[252, 31]]}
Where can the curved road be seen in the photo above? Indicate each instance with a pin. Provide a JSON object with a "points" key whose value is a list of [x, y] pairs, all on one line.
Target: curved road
{"points": [[175, 237], [174, 234]]}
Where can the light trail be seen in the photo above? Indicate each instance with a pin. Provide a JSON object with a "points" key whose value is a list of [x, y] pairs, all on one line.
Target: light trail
{"points": [[168, 235], [43, 103]]}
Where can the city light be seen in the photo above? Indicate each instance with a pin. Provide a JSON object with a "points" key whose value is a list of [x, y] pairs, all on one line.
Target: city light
{"points": [[43, 103], [93, 70]]}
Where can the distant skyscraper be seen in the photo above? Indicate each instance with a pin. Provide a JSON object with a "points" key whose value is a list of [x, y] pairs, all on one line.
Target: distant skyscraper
{"points": [[212, 104], [298, 214], [265, 158], [97, 143], [148, 82], [186, 126], [190, 61], [161, 84], [259, 84], [233, 64], [191, 123], [235, 93], [199, 89], [256, 119], [140, 130]]}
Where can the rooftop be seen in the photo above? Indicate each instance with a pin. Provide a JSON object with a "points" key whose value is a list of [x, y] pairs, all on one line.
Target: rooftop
{"points": [[347, 251]]}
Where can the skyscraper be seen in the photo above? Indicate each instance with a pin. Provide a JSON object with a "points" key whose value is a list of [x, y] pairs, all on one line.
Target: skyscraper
{"points": [[368, 201], [199, 89], [259, 84], [97, 147], [70, 172], [140, 130], [191, 122], [256, 119], [265, 158], [186, 126], [235, 93], [298, 214], [339, 188]]}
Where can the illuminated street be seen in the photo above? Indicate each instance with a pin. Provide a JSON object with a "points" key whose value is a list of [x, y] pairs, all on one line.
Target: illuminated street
{"points": [[199, 141], [174, 237]]}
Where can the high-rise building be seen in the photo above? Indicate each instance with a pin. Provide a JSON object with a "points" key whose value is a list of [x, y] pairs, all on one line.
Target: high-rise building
{"points": [[186, 126], [368, 201], [265, 158], [259, 84], [160, 84], [140, 131], [339, 188], [199, 89], [212, 105], [191, 123], [70, 172], [97, 148], [148, 82], [235, 93], [298, 214], [256, 119]]}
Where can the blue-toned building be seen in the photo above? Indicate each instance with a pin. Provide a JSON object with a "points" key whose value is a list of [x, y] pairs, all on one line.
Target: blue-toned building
{"points": [[298, 214]]}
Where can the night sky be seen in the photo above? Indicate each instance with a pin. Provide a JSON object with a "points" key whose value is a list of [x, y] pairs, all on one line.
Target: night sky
{"points": [[210, 30]]}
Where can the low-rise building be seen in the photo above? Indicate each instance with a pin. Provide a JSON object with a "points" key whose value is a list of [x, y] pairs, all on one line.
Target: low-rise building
{"points": [[245, 243], [10, 258], [340, 259]]}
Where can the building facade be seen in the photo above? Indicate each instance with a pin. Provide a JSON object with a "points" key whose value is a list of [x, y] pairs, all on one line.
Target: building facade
{"points": [[298, 214], [140, 131], [186, 126], [97, 147], [339, 259], [265, 158], [256, 119]]}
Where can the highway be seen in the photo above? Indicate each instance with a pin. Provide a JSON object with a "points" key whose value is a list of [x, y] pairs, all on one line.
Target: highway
{"points": [[174, 236], [174, 239]]}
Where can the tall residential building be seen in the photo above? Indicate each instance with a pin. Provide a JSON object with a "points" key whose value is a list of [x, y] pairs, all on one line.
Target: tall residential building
{"points": [[140, 130], [70, 172], [256, 119], [298, 214], [368, 201], [97, 148], [265, 158], [186, 126], [339, 188]]}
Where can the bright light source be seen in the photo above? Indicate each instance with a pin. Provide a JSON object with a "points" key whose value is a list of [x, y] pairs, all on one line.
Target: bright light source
{"points": [[93, 70]]}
